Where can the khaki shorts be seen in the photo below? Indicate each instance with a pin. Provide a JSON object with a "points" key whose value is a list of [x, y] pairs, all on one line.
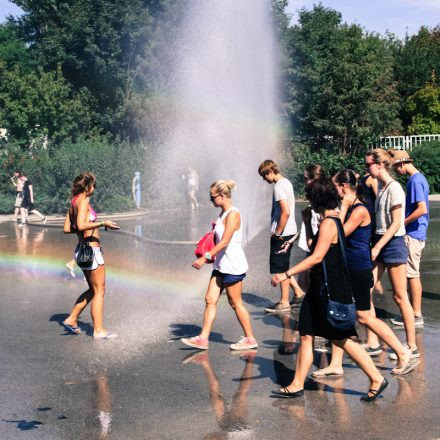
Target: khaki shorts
{"points": [[415, 248]]}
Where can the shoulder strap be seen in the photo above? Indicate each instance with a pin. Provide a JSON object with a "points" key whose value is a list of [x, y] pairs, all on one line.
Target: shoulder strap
{"points": [[341, 241]]}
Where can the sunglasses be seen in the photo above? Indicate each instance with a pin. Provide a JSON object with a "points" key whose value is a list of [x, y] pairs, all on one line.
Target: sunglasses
{"points": [[212, 198]]}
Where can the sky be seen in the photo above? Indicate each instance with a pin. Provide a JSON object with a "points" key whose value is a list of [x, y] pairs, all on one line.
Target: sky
{"points": [[395, 16]]}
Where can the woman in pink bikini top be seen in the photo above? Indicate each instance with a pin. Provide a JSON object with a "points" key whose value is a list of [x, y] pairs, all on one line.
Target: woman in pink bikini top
{"points": [[81, 219]]}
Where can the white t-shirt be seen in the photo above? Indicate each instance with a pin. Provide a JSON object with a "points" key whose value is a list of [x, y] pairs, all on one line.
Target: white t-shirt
{"points": [[387, 197], [314, 223], [283, 190]]}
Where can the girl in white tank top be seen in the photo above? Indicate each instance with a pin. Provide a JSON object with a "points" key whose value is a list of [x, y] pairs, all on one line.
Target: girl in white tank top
{"points": [[230, 266]]}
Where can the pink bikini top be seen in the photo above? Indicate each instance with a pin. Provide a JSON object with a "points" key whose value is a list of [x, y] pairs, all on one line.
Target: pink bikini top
{"points": [[92, 213]]}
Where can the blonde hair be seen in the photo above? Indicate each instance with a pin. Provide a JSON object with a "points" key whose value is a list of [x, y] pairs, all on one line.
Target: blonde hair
{"points": [[223, 187], [380, 155]]}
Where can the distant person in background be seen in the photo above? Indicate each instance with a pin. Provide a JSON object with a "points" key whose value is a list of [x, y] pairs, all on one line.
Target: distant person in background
{"points": [[136, 189], [416, 225], [18, 183], [283, 228], [27, 205], [192, 181]]}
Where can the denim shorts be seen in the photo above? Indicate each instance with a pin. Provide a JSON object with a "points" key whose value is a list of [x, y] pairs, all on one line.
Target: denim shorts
{"points": [[394, 252], [228, 278]]}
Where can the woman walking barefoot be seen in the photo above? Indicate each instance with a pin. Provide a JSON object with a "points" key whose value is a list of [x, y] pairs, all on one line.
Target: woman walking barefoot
{"points": [[389, 250], [357, 228], [324, 199], [81, 219], [230, 268]]}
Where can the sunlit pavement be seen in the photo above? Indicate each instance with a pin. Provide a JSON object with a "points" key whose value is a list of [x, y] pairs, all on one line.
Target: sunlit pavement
{"points": [[146, 384]]}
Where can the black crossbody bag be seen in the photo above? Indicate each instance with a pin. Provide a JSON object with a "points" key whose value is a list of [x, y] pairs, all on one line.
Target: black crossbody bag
{"points": [[339, 315]]}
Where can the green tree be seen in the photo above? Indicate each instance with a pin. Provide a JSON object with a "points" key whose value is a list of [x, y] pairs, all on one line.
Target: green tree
{"points": [[13, 51], [341, 87], [96, 43], [38, 104], [424, 109]]}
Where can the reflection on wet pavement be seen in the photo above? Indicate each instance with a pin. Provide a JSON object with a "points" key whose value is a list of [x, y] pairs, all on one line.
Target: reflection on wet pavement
{"points": [[54, 386]]}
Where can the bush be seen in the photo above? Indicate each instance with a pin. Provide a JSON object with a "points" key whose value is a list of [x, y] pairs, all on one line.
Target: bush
{"points": [[427, 160], [300, 156], [52, 173]]}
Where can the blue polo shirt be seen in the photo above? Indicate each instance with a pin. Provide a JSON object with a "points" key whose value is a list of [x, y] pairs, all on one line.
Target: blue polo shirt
{"points": [[417, 190]]}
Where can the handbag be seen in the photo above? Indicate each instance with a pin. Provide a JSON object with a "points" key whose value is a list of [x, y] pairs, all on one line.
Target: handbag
{"points": [[205, 244], [85, 255], [340, 316]]}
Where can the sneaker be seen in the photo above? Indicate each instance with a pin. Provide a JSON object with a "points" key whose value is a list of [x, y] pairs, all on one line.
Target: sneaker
{"points": [[244, 344], [196, 342], [399, 321], [296, 301], [414, 353], [278, 308], [372, 351]]}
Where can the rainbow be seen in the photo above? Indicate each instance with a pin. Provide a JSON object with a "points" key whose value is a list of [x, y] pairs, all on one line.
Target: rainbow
{"points": [[38, 266]]}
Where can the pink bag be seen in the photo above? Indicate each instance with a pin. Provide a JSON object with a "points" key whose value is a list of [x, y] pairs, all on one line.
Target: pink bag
{"points": [[205, 244]]}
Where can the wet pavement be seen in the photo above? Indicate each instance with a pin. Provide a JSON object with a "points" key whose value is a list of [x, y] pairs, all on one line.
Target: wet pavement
{"points": [[146, 384]]}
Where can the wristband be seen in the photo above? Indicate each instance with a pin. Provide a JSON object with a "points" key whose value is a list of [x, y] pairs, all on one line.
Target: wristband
{"points": [[208, 256]]}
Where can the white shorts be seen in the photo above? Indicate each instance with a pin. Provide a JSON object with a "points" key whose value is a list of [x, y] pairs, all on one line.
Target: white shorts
{"points": [[98, 259]]}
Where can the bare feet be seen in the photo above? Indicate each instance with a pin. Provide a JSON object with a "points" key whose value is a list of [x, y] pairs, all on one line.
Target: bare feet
{"points": [[328, 372]]}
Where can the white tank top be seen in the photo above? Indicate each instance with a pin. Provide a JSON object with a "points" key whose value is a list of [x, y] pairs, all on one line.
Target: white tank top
{"points": [[230, 260]]}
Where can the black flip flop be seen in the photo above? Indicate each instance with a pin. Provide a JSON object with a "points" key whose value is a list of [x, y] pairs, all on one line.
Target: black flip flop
{"points": [[284, 392]]}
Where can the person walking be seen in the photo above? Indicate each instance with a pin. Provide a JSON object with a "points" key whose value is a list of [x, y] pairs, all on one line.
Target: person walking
{"points": [[283, 228], [27, 205], [18, 184], [324, 199], [82, 220], [389, 250], [357, 228], [230, 268], [416, 226]]}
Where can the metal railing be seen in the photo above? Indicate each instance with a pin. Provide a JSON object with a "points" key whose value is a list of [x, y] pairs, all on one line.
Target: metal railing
{"points": [[407, 142]]}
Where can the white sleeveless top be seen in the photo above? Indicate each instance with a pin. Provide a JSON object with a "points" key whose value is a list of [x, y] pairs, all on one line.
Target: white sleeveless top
{"points": [[230, 260]]}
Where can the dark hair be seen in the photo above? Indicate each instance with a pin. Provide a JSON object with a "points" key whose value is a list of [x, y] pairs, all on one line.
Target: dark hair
{"points": [[322, 194], [267, 166], [315, 171], [349, 177], [82, 182]]}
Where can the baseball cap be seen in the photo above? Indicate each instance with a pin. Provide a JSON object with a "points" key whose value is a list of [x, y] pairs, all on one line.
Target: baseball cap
{"points": [[400, 156]]}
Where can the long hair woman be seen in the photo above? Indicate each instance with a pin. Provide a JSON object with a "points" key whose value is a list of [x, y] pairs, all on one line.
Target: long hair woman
{"points": [[357, 228], [324, 199], [82, 220], [230, 268], [389, 250]]}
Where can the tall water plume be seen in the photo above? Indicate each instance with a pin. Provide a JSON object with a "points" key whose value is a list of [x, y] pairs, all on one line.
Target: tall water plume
{"points": [[224, 94]]}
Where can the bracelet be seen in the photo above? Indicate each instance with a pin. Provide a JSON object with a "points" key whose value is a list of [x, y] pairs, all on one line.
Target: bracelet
{"points": [[285, 273], [208, 256]]}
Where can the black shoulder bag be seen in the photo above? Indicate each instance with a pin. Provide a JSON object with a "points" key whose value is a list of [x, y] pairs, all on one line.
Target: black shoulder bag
{"points": [[339, 315], [85, 255]]}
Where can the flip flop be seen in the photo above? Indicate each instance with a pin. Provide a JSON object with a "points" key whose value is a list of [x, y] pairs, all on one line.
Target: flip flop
{"points": [[405, 369], [107, 336], [284, 392], [317, 374], [71, 328]]}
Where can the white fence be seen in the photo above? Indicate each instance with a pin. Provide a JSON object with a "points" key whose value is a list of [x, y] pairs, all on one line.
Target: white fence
{"points": [[407, 142]]}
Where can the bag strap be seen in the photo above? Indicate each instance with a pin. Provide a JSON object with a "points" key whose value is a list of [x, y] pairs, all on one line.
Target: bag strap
{"points": [[341, 241]]}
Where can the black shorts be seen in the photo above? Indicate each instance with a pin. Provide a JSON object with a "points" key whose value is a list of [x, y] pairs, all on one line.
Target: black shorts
{"points": [[361, 283], [279, 262]]}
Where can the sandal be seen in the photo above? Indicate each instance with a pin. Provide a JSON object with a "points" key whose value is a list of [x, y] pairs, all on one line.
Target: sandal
{"points": [[375, 393], [284, 392], [405, 369]]}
